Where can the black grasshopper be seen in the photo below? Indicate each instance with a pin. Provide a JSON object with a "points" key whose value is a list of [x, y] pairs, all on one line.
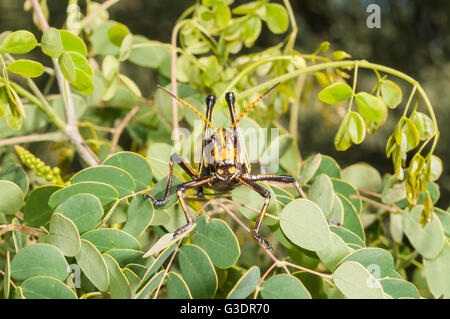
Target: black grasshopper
{"points": [[224, 164]]}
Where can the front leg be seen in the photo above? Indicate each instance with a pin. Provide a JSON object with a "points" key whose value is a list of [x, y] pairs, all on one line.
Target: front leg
{"points": [[180, 190]]}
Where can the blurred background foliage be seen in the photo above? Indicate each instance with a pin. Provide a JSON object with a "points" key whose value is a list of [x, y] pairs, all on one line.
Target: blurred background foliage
{"points": [[414, 38]]}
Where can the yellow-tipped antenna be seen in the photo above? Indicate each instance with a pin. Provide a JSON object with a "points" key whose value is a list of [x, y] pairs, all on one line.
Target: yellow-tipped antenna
{"points": [[188, 105], [248, 108]]}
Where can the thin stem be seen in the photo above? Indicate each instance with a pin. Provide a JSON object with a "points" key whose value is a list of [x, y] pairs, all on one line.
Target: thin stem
{"points": [[293, 35], [104, 6], [355, 79], [308, 270], [405, 112], [393, 210], [258, 287], [121, 127], [53, 136], [367, 192]]}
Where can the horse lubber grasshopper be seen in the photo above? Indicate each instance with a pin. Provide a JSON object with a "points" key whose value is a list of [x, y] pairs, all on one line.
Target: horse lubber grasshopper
{"points": [[224, 163]]}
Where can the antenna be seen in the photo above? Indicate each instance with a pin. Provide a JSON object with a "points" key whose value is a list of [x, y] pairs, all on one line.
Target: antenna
{"points": [[188, 105], [248, 108]]}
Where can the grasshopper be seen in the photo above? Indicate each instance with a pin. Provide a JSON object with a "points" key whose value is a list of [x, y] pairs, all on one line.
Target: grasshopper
{"points": [[224, 163]]}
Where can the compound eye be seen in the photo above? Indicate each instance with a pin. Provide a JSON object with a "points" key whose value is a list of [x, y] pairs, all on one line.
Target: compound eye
{"points": [[220, 171], [232, 170]]}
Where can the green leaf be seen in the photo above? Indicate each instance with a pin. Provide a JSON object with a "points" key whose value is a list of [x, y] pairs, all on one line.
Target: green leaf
{"points": [[83, 82], [437, 273], [444, 217], [26, 68], [67, 67], [198, 271], [337, 212], [93, 265], [159, 190], [139, 216], [347, 190], [119, 287], [71, 42], [335, 92], [147, 54], [351, 218], [424, 125], [100, 40], [328, 166], [51, 43], [349, 237], [125, 256], [303, 222], [332, 254], [342, 140], [355, 282], [135, 165], [410, 134], [37, 212], [81, 62], [251, 31], [356, 128], [321, 193], [284, 286], [370, 107], [398, 288], [150, 286], [222, 15], [378, 262], [57, 104], [156, 264], [177, 287], [104, 192], [85, 210], [43, 287], [277, 18], [130, 84], [218, 241], [113, 176], [117, 33], [39, 260], [428, 240], [64, 235], [158, 155], [18, 42], [107, 238], [14, 173], [391, 93], [125, 47], [362, 176], [11, 197], [246, 284]]}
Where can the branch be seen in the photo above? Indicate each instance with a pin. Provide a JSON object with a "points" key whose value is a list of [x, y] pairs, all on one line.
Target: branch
{"points": [[71, 130], [53, 136], [121, 127]]}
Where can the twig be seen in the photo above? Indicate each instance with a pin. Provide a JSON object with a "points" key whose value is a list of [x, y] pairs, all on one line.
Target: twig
{"points": [[308, 270], [121, 127], [258, 287], [367, 192], [71, 129], [393, 210], [53, 136], [104, 6]]}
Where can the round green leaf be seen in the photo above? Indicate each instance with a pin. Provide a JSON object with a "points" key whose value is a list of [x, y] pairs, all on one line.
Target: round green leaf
{"points": [[117, 33], [177, 287], [64, 235], [140, 215], [355, 282], [321, 193], [246, 284], [378, 262], [26, 68], [18, 42], [438, 274], [222, 14], [11, 197], [125, 256], [398, 288], [125, 47], [349, 237], [251, 30], [107, 238], [39, 260], [135, 165], [351, 218], [218, 241], [337, 212], [37, 212], [198, 271], [85, 210], [14, 173], [370, 107], [356, 128], [410, 134], [81, 62], [83, 82], [43, 287], [347, 190], [119, 287], [100, 40], [145, 54], [424, 125], [104, 192], [150, 286], [332, 254], [428, 240], [444, 217], [335, 92], [277, 18], [284, 287], [310, 169], [93, 265], [303, 222], [71, 42], [391, 93], [51, 43], [362, 176], [158, 155], [342, 139], [67, 67]]}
